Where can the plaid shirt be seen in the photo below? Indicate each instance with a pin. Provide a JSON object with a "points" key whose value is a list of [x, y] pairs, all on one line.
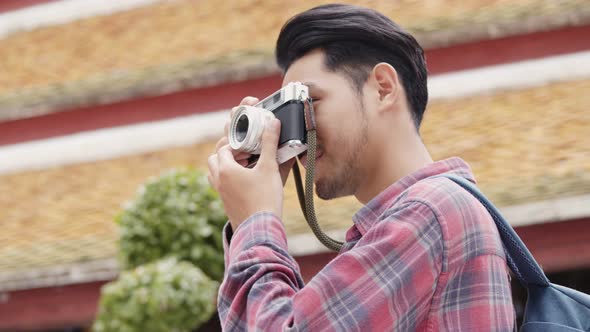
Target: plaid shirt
{"points": [[423, 255]]}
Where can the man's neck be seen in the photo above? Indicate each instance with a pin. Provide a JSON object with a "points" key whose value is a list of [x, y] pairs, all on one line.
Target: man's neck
{"points": [[402, 159]]}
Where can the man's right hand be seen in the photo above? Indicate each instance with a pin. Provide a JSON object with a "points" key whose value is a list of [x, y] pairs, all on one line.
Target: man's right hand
{"points": [[242, 157]]}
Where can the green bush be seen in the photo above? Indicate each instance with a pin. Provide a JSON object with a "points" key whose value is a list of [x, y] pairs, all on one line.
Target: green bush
{"points": [[159, 297], [177, 214]]}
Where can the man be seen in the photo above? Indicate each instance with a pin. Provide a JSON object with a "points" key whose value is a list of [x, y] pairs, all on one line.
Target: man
{"points": [[422, 254]]}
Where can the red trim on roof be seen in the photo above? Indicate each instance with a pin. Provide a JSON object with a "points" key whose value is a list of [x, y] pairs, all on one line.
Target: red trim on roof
{"points": [[47, 308], [559, 246], [510, 49], [135, 111], [454, 58], [10, 5]]}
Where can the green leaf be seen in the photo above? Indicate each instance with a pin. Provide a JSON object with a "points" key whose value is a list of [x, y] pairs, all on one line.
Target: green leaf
{"points": [[177, 214], [167, 295]]}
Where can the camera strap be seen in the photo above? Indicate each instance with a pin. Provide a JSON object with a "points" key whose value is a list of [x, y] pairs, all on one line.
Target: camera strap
{"points": [[306, 196]]}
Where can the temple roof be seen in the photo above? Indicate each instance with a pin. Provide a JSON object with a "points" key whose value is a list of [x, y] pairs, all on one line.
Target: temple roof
{"points": [[175, 45], [524, 146]]}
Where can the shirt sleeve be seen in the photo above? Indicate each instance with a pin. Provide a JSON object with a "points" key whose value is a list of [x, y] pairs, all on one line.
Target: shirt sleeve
{"points": [[385, 282]]}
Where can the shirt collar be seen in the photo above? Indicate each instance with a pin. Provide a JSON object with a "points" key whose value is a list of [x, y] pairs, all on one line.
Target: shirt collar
{"points": [[368, 214]]}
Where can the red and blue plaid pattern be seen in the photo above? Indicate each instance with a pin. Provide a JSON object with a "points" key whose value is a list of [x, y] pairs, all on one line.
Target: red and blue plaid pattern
{"points": [[423, 255]]}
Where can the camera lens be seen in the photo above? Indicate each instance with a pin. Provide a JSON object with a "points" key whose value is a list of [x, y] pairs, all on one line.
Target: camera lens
{"points": [[242, 127], [246, 127]]}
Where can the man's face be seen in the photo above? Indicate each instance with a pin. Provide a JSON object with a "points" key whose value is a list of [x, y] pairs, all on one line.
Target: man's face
{"points": [[342, 128]]}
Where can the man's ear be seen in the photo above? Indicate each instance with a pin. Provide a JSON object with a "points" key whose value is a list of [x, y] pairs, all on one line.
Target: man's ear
{"points": [[387, 83]]}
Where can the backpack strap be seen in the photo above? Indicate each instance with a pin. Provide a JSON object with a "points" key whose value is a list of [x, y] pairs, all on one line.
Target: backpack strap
{"points": [[519, 258]]}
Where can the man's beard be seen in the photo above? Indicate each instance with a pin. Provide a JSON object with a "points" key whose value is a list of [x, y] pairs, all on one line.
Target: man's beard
{"points": [[344, 180]]}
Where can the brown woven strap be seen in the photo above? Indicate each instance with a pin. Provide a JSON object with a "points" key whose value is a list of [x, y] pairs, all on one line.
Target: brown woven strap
{"points": [[306, 197]]}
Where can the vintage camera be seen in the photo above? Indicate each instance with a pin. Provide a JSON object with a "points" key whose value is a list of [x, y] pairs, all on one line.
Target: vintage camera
{"points": [[287, 105]]}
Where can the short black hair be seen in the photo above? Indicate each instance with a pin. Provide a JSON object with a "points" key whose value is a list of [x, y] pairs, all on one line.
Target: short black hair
{"points": [[355, 39]]}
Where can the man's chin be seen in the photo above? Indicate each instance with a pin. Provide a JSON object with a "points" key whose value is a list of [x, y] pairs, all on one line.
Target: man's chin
{"points": [[325, 191], [317, 173], [323, 188]]}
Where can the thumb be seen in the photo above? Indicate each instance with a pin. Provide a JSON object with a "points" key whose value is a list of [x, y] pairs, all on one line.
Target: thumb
{"points": [[270, 141]]}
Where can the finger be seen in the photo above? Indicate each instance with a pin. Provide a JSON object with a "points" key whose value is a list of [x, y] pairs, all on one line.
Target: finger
{"points": [[248, 101], [239, 155], [213, 170], [211, 182], [270, 140], [213, 165], [225, 157], [223, 141], [251, 101]]}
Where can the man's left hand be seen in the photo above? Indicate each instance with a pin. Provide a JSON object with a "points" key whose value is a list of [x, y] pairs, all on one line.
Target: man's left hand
{"points": [[246, 191]]}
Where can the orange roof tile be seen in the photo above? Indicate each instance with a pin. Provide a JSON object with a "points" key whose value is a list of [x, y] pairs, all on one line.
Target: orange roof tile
{"points": [[171, 45], [523, 146]]}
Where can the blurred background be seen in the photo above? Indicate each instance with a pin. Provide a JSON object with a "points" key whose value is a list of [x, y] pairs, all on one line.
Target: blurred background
{"points": [[99, 97]]}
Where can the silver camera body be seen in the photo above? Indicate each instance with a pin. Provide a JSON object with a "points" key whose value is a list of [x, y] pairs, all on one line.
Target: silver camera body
{"points": [[287, 105]]}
